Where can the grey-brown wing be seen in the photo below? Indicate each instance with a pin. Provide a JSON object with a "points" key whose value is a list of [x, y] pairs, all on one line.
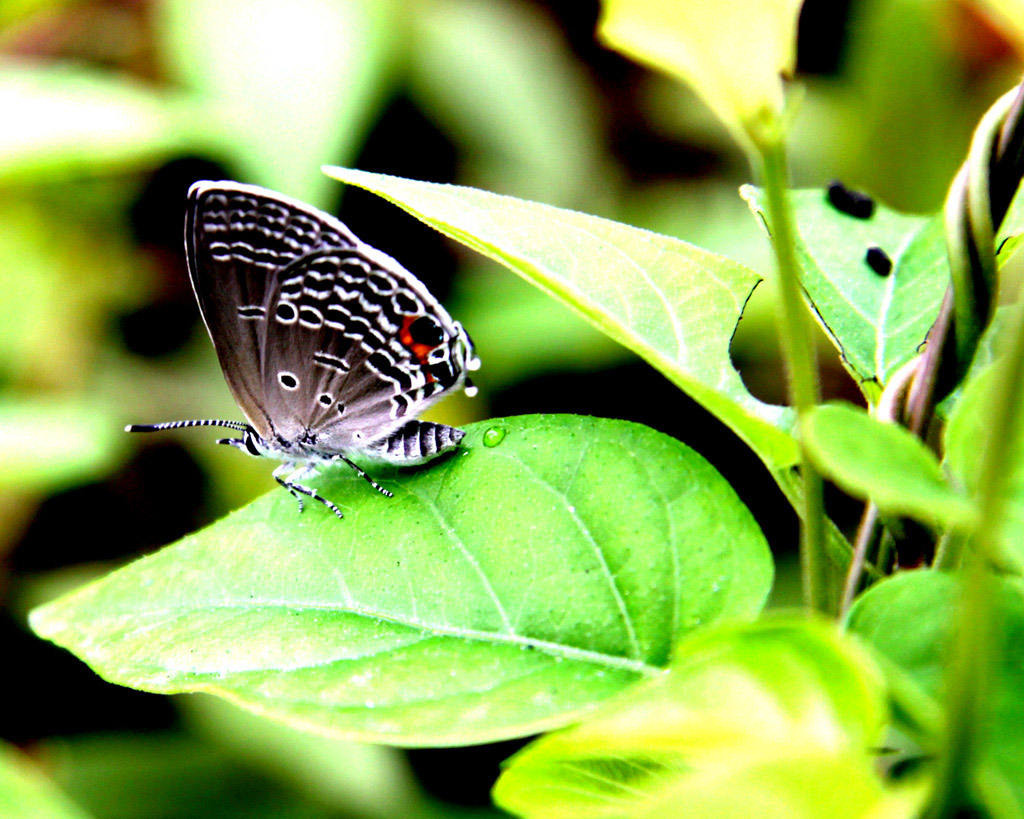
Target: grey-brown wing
{"points": [[355, 347], [238, 240]]}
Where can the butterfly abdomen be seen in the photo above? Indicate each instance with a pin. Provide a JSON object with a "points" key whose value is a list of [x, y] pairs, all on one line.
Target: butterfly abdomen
{"points": [[416, 441]]}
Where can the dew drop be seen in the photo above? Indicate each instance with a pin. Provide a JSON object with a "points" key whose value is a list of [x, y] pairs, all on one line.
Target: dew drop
{"points": [[494, 436]]}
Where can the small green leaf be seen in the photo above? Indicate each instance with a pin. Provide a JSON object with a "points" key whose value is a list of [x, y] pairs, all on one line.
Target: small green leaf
{"points": [[734, 53], [966, 436], [908, 619], [26, 794], [502, 591], [781, 714], [876, 322], [883, 462], [673, 304]]}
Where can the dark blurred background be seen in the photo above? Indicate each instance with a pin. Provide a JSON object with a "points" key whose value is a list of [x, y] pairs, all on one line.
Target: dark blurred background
{"points": [[110, 110]]}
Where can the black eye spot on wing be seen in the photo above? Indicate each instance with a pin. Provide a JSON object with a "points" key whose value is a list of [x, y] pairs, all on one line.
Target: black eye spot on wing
{"points": [[286, 312], [288, 380], [852, 203], [427, 331], [325, 399]]}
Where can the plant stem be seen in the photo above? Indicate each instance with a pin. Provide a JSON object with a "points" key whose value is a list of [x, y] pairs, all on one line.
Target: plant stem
{"points": [[865, 535], [801, 365], [969, 663], [974, 644]]}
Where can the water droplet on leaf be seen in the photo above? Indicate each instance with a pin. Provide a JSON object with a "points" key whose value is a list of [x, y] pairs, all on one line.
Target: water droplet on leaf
{"points": [[494, 436]]}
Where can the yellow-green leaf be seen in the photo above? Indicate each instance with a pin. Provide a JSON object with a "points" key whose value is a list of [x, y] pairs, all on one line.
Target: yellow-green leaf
{"points": [[783, 715], [732, 52]]}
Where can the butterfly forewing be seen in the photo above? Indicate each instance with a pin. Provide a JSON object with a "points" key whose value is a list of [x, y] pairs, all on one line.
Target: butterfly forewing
{"points": [[322, 339], [237, 238]]}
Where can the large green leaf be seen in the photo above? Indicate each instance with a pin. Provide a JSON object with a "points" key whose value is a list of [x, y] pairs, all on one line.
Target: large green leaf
{"points": [[884, 463], [781, 715], [26, 794], [549, 563], [908, 619], [673, 304], [877, 322]]}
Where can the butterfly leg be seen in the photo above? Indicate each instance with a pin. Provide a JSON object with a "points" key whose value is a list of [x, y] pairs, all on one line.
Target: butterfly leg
{"points": [[362, 474], [297, 489]]}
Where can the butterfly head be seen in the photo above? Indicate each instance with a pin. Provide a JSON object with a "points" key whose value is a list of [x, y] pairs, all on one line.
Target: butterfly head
{"points": [[251, 443]]}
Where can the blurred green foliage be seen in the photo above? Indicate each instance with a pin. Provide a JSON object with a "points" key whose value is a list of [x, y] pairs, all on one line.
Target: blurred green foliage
{"points": [[96, 96]]}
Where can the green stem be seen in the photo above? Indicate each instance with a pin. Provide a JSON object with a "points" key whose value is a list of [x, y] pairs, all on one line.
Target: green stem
{"points": [[974, 641], [969, 662], [801, 365], [949, 553]]}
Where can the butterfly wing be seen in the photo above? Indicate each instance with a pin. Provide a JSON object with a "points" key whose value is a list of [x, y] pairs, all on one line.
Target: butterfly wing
{"points": [[355, 347], [323, 340]]}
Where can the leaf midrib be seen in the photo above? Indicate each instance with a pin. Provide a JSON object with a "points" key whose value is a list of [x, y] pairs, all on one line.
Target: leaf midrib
{"points": [[882, 333], [460, 632]]}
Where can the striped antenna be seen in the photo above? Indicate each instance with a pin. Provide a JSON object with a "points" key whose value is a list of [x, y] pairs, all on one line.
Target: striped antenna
{"points": [[207, 422]]}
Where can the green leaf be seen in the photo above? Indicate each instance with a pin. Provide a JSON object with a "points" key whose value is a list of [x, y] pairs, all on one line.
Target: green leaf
{"points": [[885, 463], [498, 307], [526, 119], [876, 322], [354, 778], [734, 53], [61, 120], [285, 86], [503, 591], [46, 445], [65, 266], [966, 436], [170, 775], [780, 714], [671, 303], [26, 794], [908, 620]]}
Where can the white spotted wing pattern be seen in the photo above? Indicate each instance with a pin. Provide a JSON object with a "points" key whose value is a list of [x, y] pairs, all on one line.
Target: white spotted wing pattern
{"points": [[330, 347]]}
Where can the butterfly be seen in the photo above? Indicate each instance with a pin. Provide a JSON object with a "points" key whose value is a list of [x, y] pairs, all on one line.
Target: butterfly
{"points": [[330, 347]]}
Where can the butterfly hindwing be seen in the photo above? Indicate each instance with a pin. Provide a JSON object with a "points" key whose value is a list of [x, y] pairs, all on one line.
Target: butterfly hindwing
{"points": [[340, 362]]}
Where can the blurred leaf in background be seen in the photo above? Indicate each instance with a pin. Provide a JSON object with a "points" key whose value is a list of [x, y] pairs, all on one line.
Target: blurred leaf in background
{"points": [[111, 108]]}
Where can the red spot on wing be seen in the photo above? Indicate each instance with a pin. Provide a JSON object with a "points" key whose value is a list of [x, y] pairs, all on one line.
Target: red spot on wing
{"points": [[419, 351]]}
